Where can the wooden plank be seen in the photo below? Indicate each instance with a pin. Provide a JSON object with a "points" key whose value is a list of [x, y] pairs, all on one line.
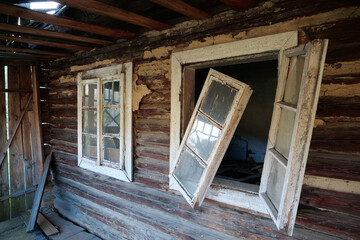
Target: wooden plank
{"points": [[114, 12], [239, 4], [17, 194], [63, 22], [39, 194], [25, 50], [183, 8], [46, 226], [26, 83], [52, 34], [44, 43], [4, 180], [14, 129], [15, 148], [23, 55], [36, 129]]}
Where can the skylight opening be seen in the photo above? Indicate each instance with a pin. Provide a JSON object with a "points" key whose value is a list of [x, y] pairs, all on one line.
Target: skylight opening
{"points": [[44, 5]]}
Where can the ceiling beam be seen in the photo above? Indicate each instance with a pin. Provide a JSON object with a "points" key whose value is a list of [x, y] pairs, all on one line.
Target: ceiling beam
{"points": [[47, 33], [183, 8], [2, 54], [44, 43], [239, 4], [58, 21], [114, 12], [26, 50]]}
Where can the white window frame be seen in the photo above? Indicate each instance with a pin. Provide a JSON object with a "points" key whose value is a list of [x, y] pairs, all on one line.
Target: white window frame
{"points": [[122, 73], [243, 93], [246, 197]]}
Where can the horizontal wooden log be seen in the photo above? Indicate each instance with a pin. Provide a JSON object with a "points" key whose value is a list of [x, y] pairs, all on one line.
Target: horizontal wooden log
{"points": [[351, 146], [157, 97], [153, 165], [330, 100], [333, 165], [150, 139], [183, 8], [157, 153], [63, 111], [154, 111], [342, 79], [341, 110], [67, 135], [337, 131], [338, 224], [152, 125], [336, 201]]}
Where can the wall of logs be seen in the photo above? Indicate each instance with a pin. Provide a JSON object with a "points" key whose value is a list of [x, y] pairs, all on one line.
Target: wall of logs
{"points": [[329, 204]]}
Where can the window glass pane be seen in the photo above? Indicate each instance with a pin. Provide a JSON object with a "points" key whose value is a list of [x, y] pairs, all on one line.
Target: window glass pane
{"points": [[203, 137], [112, 149], [90, 95], [107, 93], [89, 121], [293, 82], [218, 101], [89, 147], [276, 182], [116, 97], [285, 131], [111, 120], [189, 171]]}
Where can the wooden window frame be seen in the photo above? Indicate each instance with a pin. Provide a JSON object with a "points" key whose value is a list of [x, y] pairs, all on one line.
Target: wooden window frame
{"points": [[227, 130], [122, 73], [243, 196], [305, 110]]}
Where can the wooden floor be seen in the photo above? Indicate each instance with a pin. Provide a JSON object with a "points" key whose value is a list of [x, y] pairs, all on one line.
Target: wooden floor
{"points": [[15, 229]]}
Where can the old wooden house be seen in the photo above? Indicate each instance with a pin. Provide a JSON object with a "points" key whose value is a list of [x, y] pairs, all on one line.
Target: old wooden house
{"points": [[202, 119]]}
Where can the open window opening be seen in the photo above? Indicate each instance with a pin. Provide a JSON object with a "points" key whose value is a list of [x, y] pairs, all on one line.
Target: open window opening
{"points": [[244, 158]]}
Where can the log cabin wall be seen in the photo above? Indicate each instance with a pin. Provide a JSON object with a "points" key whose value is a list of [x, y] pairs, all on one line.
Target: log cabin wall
{"points": [[329, 204]]}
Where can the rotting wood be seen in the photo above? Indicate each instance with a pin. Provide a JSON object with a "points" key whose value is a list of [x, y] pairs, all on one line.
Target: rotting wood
{"points": [[14, 130], [116, 13], [46, 226], [58, 21], [47, 33], [39, 194]]}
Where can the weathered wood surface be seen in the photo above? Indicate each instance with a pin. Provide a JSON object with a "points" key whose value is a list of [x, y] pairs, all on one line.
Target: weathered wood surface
{"points": [[4, 180], [110, 207]]}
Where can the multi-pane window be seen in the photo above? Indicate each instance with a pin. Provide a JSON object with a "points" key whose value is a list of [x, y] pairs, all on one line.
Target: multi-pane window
{"points": [[104, 101]]}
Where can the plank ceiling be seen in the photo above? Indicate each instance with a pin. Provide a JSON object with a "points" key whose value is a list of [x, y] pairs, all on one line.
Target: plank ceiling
{"points": [[34, 34]]}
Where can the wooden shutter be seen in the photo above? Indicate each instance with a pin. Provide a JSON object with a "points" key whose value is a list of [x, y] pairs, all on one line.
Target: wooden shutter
{"points": [[210, 130], [292, 123]]}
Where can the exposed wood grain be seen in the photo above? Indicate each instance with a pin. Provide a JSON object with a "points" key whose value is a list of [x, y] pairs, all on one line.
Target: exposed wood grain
{"points": [[239, 4], [183, 8], [39, 194], [45, 43], [46, 226], [16, 159], [36, 130], [116, 13], [25, 50], [51, 34], [4, 179], [326, 199], [58, 21]]}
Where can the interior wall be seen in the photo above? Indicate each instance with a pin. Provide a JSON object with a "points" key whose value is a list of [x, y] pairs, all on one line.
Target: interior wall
{"points": [[144, 208]]}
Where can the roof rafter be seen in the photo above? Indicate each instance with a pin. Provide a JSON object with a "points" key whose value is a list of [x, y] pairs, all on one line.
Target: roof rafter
{"points": [[45, 43], [58, 21], [114, 12], [183, 8], [26, 50], [24, 55], [47, 33]]}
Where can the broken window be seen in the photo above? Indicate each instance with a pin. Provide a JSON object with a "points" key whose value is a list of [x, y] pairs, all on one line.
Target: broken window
{"points": [[292, 107], [104, 101], [220, 106]]}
